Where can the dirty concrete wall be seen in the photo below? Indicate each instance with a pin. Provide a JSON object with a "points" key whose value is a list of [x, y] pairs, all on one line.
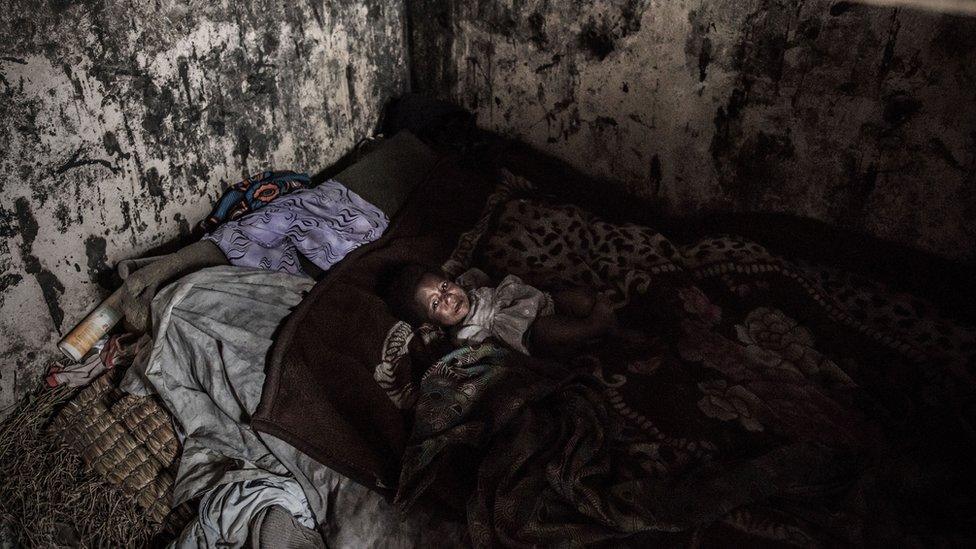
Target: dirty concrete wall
{"points": [[861, 116], [119, 121]]}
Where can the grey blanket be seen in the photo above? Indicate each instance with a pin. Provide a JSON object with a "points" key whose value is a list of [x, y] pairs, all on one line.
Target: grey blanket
{"points": [[211, 333]]}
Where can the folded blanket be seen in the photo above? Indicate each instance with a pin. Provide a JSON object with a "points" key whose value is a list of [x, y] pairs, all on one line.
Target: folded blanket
{"points": [[322, 224]]}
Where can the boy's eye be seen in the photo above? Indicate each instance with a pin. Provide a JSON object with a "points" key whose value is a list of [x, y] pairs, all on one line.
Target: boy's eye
{"points": [[434, 304], [444, 286]]}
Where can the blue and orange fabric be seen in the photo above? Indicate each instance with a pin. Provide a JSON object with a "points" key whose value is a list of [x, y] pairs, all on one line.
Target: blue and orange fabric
{"points": [[253, 193]]}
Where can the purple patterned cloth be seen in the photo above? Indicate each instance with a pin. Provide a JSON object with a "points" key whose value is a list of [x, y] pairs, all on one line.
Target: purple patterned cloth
{"points": [[323, 224]]}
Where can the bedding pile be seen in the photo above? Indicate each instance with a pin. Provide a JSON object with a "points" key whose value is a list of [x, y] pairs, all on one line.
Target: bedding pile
{"points": [[772, 401], [320, 395], [211, 333]]}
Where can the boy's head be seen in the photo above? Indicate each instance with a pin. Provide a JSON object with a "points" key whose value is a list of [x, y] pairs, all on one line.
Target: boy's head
{"points": [[419, 294]]}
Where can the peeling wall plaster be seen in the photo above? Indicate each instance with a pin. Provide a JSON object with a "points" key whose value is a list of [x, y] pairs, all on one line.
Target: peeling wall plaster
{"points": [[120, 120], [860, 116]]}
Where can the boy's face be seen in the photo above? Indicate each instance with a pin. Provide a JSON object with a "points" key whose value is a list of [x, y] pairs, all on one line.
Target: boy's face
{"points": [[444, 302]]}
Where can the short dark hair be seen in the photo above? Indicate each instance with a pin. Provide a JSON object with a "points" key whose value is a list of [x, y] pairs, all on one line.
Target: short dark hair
{"points": [[400, 291]]}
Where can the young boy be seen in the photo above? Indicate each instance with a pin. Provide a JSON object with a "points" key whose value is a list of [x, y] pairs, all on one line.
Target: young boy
{"points": [[513, 313]]}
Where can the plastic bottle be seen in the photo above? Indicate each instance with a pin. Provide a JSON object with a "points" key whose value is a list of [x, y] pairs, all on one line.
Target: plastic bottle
{"points": [[83, 337]]}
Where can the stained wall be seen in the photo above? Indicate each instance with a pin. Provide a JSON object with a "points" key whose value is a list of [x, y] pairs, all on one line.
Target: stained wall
{"points": [[120, 120], [860, 116]]}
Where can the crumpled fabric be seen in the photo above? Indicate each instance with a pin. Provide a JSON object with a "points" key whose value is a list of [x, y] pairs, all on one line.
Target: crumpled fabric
{"points": [[226, 513], [535, 456], [351, 515], [212, 331], [77, 374], [323, 224], [253, 193], [109, 352]]}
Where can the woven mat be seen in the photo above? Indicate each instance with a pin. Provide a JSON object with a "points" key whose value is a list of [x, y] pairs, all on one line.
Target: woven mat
{"points": [[129, 441]]}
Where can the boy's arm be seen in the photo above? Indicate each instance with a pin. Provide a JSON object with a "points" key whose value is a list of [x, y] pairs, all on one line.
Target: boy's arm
{"points": [[577, 302], [560, 335]]}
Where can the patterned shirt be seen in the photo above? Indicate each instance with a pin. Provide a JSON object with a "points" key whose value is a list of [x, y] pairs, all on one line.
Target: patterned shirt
{"points": [[505, 313]]}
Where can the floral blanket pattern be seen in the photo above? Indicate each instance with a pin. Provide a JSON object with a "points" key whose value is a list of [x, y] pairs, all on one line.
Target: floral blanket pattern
{"points": [[773, 401]]}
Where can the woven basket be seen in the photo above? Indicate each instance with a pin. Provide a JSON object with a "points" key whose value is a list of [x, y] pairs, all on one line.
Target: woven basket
{"points": [[129, 441]]}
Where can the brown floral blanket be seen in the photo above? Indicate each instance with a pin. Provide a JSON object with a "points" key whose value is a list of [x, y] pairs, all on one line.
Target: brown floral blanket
{"points": [[773, 401]]}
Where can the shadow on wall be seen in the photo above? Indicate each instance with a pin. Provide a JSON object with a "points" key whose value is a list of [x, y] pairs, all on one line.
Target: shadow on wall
{"points": [[859, 116], [450, 129]]}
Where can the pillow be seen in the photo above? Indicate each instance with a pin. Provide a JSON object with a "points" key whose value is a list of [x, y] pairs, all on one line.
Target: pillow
{"points": [[386, 176]]}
